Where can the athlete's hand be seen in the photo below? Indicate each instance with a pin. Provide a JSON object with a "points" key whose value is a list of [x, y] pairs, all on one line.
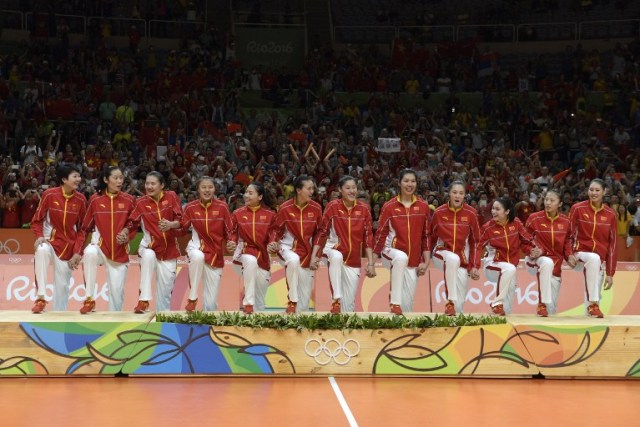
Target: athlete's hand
{"points": [[123, 236], [273, 247], [608, 283], [371, 270], [231, 245], [535, 253], [74, 261], [474, 274], [315, 262], [164, 225], [39, 241], [572, 260], [422, 268]]}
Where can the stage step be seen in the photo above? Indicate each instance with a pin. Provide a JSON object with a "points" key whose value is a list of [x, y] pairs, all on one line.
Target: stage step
{"points": [[110, 343]]}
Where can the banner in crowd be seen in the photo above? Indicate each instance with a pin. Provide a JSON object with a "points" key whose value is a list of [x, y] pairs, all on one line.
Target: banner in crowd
{"points": [[388, 145], [270, 48], [17, 290]]}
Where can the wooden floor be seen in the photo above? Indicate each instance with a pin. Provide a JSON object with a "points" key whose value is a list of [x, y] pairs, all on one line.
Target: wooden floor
{"points": [[317, 402]]}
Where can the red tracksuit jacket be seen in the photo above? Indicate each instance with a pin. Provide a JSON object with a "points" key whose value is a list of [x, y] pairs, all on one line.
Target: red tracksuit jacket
{"points": [[347, 230], [59, 219], [254, 229], [552, 236], [595, 231], [210, 226], [148, 213], [296, 227], [405, 229], [452, 229], [106, 216], [504, 242]]}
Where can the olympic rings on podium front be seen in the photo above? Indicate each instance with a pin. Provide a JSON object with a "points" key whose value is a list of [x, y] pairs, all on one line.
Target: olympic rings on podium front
{"points": [[10, 246], [324, 352]]}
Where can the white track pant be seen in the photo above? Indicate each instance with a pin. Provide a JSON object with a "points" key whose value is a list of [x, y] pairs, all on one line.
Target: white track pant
{"points": [[503, 274], [456, 278], [116, 273], [403, 279], [591, 266], [61, 275], [548, 284], [342, 279], [256, 281], [165, 277], [299, 280], [211, 277]]}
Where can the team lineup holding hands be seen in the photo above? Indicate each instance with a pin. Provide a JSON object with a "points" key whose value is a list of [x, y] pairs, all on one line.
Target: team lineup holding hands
{"points": [[300, 234]]}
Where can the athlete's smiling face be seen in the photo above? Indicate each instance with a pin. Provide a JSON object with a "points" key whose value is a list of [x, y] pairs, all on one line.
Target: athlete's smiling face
{"points": [[206, 189], [499, 213], [408, 184], [153, 186], [251, 196], [349, 191], [596, 193]]}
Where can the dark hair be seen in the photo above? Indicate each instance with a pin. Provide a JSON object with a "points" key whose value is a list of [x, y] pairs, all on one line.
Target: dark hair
{"points": [[406, 171], [157, 175], [63, 171], [599, 182], [618, 214], [300, 180], [343, 180], [458, 182], [507, 204], [556, 192], [104, 175], [266, 196], [205, 178]]}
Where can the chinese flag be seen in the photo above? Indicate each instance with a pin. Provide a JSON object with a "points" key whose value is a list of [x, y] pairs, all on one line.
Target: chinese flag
{"points": [[233, 127]]}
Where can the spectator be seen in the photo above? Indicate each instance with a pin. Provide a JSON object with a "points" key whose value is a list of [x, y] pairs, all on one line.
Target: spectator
{"points": [[29, 152]]}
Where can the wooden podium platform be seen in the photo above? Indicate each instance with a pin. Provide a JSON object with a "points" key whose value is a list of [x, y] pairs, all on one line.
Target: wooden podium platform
{"points": [[110, 343]]}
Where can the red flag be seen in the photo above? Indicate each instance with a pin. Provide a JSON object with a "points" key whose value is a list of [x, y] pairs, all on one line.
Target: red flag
{"points": [[208, 128], [297, 135], [150, 135], [557, 177], [233, 127]]}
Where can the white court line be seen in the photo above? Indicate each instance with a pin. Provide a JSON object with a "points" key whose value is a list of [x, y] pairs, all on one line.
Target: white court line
{"points": [[343, 403]]}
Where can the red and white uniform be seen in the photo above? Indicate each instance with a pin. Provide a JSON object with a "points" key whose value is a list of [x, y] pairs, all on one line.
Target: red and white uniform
{"points": [[158, 250], [503, 243], [594, 236], [106, 215], [401, 239], [210, 227], [552, 237], [296, 227], [58, 219], [253, 229], [453, 239], [343, 234]]}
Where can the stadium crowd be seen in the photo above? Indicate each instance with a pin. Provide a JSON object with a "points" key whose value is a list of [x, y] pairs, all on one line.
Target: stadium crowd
{"points": [[178, 112]]}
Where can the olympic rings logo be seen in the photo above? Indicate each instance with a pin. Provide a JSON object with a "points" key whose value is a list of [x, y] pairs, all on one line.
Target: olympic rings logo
{"points": [[331, 350], [10, 246]]}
